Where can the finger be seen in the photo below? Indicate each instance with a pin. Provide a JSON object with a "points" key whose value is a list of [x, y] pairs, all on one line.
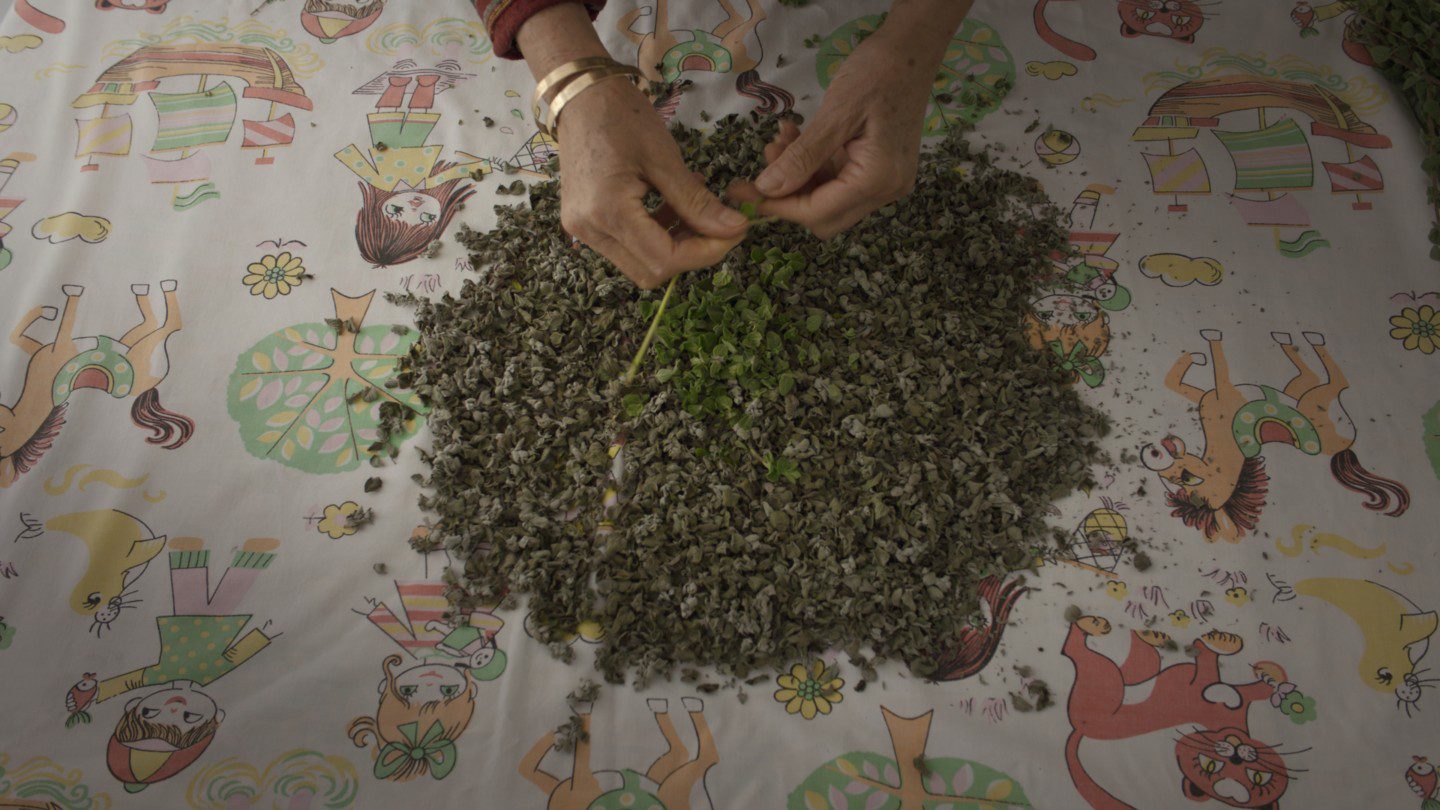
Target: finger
{"points": [[695, 203], [742, 191], [671, 222], [825, 211], [773, 151], [627, 263], [785, 136], [803, 157], [829, 207], [663, 253]]}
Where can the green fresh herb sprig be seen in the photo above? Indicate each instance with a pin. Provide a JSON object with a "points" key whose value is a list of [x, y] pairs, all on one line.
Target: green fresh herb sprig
{"points": [[734, 341]]}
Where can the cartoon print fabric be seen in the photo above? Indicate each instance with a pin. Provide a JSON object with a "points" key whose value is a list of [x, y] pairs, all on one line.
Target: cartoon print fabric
{"points": [[203, 605]]}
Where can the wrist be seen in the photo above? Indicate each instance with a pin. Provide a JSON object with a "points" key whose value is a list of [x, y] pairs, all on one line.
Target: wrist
{"points": [[605, 99], [923, 26], [556, 35]]}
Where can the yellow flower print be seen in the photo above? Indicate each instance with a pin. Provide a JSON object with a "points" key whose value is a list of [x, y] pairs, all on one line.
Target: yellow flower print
{"points": [[809, 691], [274, 275], [1116, 589], [1417, 328], [336, 522], [1180, 618], [1237, 596]]}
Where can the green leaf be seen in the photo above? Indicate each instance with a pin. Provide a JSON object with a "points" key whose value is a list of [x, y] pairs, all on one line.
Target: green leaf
{"points": [[633, 404], [786, 384]]}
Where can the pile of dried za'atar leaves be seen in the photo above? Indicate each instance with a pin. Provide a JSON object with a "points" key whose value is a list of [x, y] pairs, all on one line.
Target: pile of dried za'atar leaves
{"points": [[828, 445]]}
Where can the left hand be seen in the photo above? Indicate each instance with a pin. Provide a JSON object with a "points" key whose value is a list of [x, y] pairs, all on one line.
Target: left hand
{"points": [[861, 150]]}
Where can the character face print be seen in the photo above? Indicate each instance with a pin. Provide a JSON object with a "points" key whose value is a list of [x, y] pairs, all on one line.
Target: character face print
{"points": [[1232, 768], [1065, 310], [412, 208], [1173, 19], [182, 708], [153, 6], [428, 683], [1184, 473]]}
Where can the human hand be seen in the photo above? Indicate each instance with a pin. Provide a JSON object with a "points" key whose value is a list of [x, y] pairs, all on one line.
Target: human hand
{"points": [[615, 150], [862, 149]]}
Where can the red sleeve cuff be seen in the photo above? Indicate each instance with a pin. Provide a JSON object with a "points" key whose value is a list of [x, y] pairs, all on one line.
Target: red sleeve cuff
{"points": [[503, 18]]}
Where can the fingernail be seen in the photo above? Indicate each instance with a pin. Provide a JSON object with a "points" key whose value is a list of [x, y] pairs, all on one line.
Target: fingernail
{"points": [[731, 218], [769, 182]]}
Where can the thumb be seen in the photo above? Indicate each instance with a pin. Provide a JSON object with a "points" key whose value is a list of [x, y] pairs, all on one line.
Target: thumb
{"points": [[801, 159], [687, 196]]}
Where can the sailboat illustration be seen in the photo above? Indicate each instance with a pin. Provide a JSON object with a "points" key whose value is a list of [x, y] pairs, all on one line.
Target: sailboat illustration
{"points": [[103, 135], [1273, 161], [268, 134], [188, 121], [1357, 177], [1177, 174]]}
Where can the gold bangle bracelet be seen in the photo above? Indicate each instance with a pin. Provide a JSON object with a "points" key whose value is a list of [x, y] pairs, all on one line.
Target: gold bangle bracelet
{"points": [[582, 83], [568, 71], [561, 76], [567, 93]]}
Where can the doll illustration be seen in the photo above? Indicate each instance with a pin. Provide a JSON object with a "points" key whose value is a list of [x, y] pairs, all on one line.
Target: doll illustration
{"points": [[163, 731], [428, 694], [408, 195]]}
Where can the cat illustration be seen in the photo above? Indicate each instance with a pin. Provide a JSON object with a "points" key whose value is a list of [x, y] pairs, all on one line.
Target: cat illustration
{"points": [[1397, 634], [120, 547], [152, 6], [1177, 20], [1218, 758], [1173, 19]]}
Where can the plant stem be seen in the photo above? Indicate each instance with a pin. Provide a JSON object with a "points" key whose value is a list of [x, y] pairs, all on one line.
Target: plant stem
{"points": [[649, 334]]}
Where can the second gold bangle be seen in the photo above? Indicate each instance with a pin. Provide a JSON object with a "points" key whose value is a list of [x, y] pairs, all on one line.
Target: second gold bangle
{"points": [[573, 88], [568, 71], [583, 83]]}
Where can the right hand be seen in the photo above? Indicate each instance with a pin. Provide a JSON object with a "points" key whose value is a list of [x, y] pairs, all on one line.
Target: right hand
{"points": [[615, 149]]}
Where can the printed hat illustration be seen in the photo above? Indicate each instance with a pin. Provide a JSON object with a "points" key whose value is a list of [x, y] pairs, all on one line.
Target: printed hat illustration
{"points": [[138, 768], [468, 640], [328, 21]]}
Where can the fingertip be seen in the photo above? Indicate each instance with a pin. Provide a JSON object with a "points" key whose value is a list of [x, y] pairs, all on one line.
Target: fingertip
{"points": [[771, 182], [742, 191], [731, 220], [694, 203], [698, 252], [717, 226], [648, 279]]}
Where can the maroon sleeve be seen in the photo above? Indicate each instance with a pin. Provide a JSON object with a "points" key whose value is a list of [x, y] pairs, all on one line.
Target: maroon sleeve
{"points": [[503, 18]]}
